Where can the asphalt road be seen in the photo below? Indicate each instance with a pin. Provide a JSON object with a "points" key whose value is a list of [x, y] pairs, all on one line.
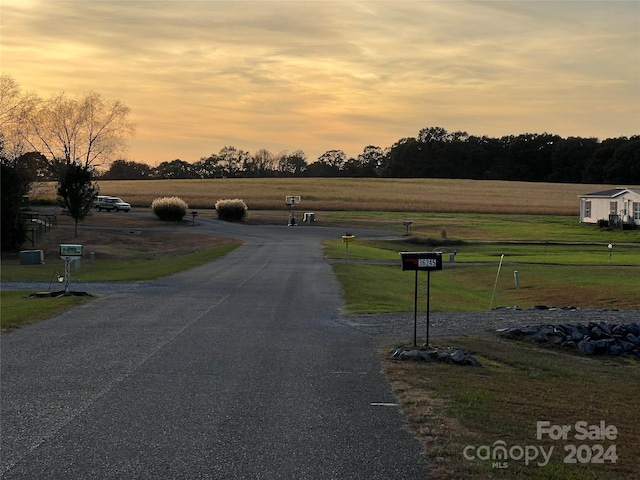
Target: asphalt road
{"points": [[240, 369]]}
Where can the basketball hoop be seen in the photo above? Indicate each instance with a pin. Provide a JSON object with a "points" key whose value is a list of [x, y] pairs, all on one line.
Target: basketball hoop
{"points": [[292, 201]]}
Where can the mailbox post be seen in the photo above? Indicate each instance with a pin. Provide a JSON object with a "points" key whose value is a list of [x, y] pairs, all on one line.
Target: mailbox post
{"points": [[347, 238], [425, 261], [69, 253]]}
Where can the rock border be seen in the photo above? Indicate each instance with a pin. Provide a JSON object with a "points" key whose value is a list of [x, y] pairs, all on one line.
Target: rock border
{"points": [[593, 338], [430, 354]]}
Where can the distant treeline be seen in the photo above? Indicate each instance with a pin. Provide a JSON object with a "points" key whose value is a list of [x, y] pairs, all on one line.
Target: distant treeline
{"points": [[434, 153]]}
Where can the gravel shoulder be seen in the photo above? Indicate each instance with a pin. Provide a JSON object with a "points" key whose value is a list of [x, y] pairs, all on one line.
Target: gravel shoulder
{"points": [[396, 328]]}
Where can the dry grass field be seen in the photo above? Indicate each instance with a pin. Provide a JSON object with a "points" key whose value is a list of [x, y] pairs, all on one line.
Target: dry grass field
{"points": [[355, 194]]}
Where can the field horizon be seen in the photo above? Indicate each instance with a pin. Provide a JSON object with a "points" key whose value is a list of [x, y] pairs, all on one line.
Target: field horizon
{"points": [[353, 194]]}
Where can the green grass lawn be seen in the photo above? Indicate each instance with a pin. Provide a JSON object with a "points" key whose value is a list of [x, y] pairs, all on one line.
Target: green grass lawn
{"points": [[471, 226], [551, 274], [473, 252], [113, 269], [19, 309], [371, 288]]}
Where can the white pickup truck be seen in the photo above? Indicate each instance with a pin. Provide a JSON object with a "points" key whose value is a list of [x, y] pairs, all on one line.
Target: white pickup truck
{"points": [[111, 204]]}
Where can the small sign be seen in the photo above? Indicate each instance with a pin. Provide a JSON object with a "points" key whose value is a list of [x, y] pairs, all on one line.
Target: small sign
{"points": [[348, 238], [70, 250], [427, 261]]}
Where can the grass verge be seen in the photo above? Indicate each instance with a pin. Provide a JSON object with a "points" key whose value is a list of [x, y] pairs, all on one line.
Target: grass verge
{"points": [[452, 408], [375, 288], [18, 309], [129, 270]]}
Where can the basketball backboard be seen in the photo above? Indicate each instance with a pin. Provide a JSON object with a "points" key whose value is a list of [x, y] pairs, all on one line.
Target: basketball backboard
{"points": [[292, 200]]}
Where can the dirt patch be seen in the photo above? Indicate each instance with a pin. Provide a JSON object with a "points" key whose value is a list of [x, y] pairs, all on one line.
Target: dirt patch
{"points": [[128, 235]]}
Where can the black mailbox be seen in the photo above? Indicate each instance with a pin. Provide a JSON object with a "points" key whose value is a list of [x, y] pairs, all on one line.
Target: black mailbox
{"points": [[427, 261]]}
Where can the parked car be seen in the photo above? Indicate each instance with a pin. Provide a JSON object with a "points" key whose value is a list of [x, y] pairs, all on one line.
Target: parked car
{"points": [[110, 204]]}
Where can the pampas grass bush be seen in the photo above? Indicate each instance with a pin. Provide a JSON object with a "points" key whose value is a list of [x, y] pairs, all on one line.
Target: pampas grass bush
{"points": [[233, 210], [170, 209]]}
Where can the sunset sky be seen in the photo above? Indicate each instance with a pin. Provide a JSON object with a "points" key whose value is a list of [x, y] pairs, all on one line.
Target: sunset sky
{"points": [[199, 75]]}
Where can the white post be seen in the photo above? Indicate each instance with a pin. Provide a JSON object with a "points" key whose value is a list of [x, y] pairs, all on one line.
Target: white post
{"points": [[496, 284]]}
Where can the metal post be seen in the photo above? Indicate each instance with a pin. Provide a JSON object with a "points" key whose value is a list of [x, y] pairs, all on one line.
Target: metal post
{"points": [[428, 302], [67, 275], [415, 312]]}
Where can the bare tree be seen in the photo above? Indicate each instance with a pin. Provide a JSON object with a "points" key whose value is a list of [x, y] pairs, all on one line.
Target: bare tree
{"points": [[14, 108], [86, 130], [10, 99]]}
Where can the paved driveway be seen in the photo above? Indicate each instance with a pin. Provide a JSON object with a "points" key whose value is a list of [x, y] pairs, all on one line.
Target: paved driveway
{"points": [[241, 368]]}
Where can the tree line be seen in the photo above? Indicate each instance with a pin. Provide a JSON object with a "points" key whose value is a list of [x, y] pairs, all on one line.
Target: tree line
{"points": [[434, 153]]}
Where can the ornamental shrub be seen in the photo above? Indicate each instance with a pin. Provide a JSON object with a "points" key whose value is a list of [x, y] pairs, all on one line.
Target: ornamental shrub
{"points": [[233, 210], [170, 209]]}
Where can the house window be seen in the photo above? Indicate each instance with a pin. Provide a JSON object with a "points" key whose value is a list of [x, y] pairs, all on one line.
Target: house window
{"points": [[613, 208], [587, 209], [636, 210]]}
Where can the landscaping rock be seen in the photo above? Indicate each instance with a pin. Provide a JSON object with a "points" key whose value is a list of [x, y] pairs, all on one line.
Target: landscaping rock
{"points": [[633, 339], [413, 355], [595, 338], [447, 355]]}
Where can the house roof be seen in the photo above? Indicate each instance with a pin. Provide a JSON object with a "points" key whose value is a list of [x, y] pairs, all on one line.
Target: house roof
{"points": [[612, 193]]}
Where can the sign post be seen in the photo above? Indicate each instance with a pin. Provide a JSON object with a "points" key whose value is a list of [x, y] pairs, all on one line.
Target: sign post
{"points": [[347, 239], [69, 253], [425, 261]]}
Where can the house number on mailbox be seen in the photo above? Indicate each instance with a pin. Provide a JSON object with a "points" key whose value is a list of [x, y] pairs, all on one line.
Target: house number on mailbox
{"points": [[427, 263]]}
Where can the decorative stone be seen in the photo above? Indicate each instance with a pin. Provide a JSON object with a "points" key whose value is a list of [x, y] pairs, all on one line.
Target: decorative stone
{"points": [[457, 356], [594, 338], [587, 346], [633, 339], [414, 355]]}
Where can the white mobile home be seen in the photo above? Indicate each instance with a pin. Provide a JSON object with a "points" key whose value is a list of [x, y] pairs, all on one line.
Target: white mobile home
{"points": [[619, 207]]}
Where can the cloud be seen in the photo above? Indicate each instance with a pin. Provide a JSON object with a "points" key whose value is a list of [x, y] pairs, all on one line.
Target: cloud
{"points": [[320, 75]]}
